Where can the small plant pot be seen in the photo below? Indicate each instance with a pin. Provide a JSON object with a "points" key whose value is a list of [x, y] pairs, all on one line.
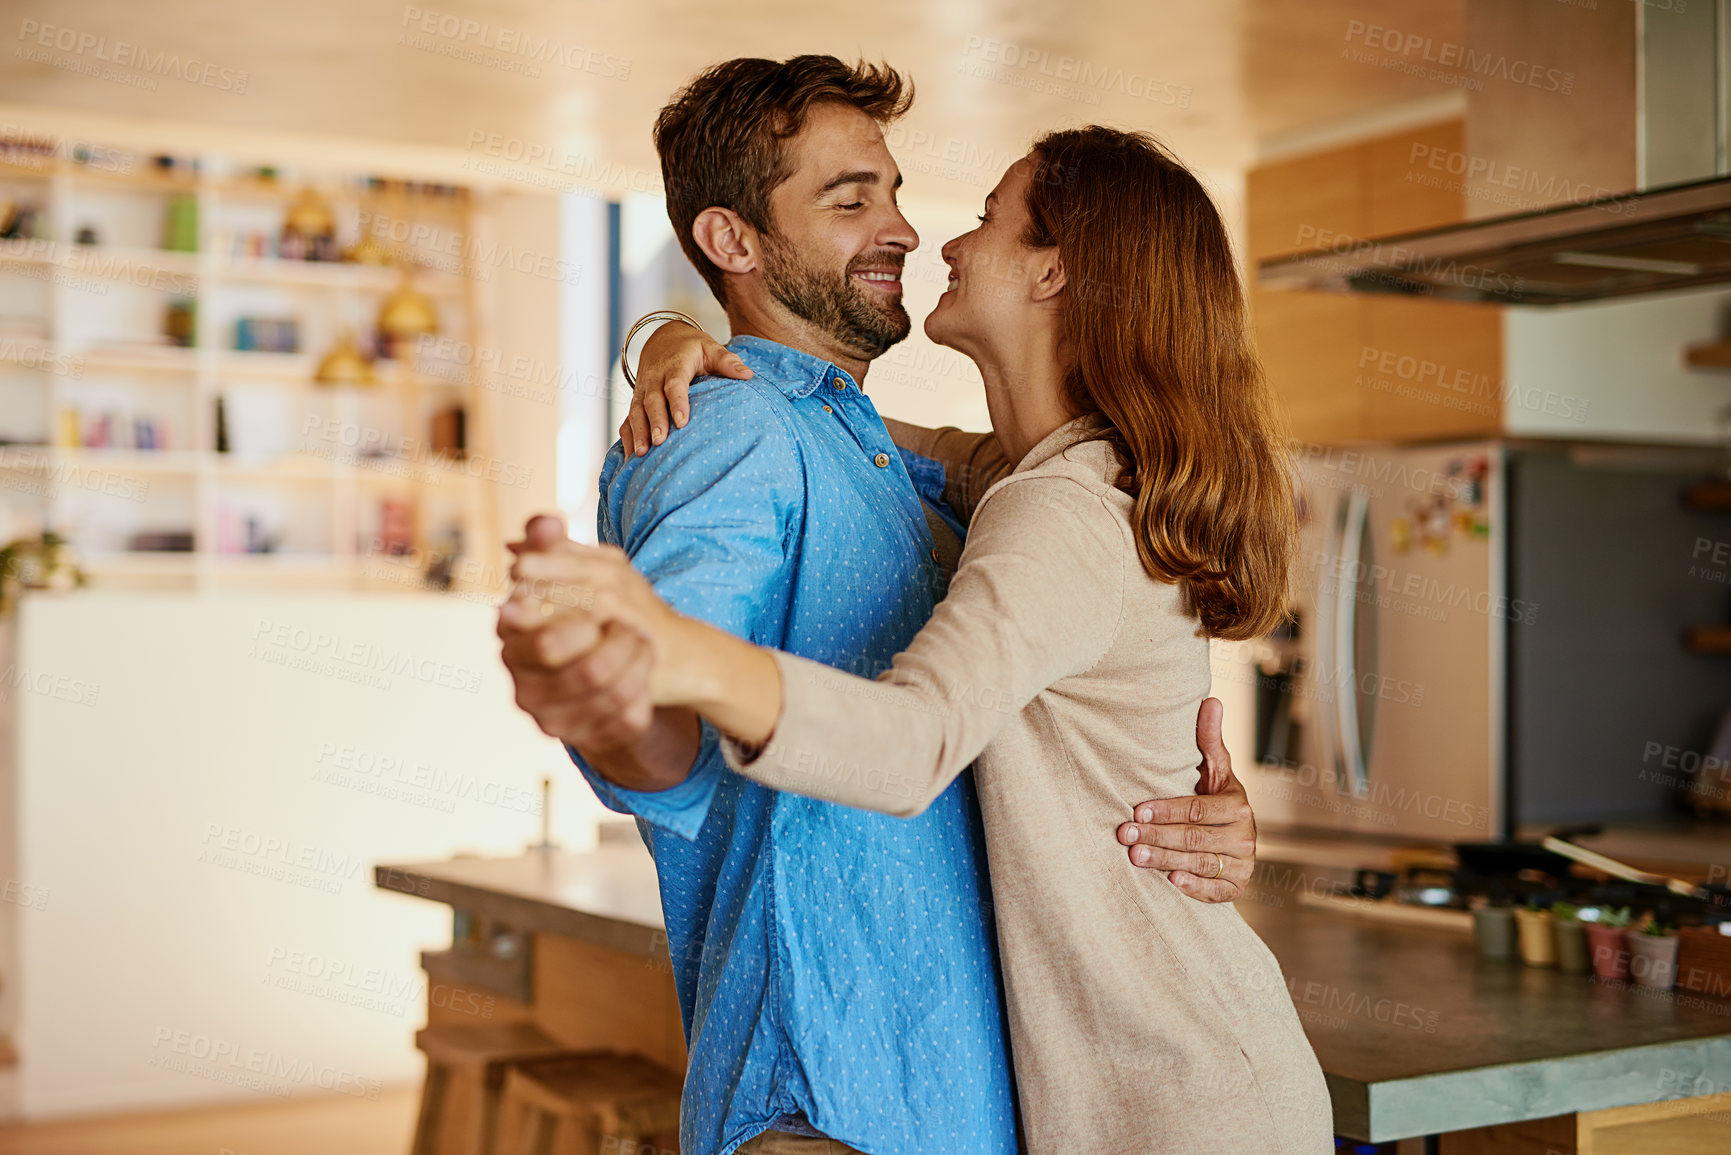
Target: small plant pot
{"points": [[1538, 944], [1653, 961], [1610, 953], [1572, 954], [1494, 928]]}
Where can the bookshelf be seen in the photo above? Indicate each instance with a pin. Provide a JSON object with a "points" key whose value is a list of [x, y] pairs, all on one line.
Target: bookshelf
{"points": [[109, 428]]}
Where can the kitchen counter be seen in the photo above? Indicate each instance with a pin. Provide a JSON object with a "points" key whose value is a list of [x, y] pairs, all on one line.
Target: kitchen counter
{"points": [[607, 897], [1416, 1034]]}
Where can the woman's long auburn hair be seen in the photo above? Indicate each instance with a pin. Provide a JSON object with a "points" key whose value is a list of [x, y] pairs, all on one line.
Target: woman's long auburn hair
{"points": [[1154, 319]]}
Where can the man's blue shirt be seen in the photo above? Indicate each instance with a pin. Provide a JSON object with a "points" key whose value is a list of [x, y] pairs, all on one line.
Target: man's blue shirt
{"points": [[830, 962]]}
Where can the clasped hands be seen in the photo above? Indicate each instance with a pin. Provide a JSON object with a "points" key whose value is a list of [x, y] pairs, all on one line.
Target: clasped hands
{"points": [[582, 631]]}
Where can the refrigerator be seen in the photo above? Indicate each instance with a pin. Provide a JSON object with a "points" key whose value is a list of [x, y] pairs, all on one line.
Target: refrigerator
{"points": [[1488, 637]]}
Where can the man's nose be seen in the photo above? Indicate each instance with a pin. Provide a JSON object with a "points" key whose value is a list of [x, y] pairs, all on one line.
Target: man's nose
{"points": [[898, 234]]}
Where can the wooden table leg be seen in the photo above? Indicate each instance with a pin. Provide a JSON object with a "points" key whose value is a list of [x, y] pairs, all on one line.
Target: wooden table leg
{"points": [[433, 1089]]}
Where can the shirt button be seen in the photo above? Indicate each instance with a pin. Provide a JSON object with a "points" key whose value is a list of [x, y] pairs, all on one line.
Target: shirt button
{"points": [[827, 409], [841, 382], [881, 460]]}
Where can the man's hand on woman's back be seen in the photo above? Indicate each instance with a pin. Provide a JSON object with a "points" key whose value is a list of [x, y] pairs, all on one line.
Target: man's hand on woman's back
{"points": [[1208, 840]]}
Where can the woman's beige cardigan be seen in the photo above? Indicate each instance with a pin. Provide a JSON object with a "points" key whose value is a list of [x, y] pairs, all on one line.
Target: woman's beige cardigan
{"points": [[1141, 1021]]}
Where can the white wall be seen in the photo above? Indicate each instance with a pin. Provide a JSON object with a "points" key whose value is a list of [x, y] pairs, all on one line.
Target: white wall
{"points": [[584, 428], [526, 298], [188, 815], [1614, 369]]}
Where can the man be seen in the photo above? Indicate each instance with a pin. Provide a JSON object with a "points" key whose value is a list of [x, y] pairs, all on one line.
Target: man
{"points": [[836, 969]]}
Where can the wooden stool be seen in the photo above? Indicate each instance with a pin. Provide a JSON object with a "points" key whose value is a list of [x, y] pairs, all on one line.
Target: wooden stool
{"points": [[479, 1055], [595, 1104]]}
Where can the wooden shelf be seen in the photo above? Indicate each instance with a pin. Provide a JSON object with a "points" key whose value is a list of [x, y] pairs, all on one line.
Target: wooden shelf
{"points": [[1708, 640], [283, 191], [159, 461], [26, 459], [174, 563], [49, 458], [34, 254], [296, 467], [1709, 497], [313, 274], [1710, 355], [14, 166], [117, 261], [144, 177], [85, 353], [145, 358], [307, 563]]}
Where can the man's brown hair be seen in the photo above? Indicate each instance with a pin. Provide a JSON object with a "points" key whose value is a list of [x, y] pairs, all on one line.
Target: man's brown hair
{"points": [[722, 138]]}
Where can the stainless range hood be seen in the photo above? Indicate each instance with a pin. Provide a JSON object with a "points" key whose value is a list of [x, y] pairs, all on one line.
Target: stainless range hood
{"points": [[1673, 233], [1669, 238]]}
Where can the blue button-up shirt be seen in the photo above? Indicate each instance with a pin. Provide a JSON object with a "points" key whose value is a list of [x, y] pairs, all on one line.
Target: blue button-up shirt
{"points": [[830, 962]]}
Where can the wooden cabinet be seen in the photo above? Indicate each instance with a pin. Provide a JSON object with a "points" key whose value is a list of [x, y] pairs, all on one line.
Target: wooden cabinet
{"points": [[1349, 368]]}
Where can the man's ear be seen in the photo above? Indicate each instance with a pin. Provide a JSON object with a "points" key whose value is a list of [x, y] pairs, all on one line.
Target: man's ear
{"points": [[1050, 279], [729, 243]]}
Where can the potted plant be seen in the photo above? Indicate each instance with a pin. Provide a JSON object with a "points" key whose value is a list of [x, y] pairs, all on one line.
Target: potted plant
{"points": [[1653, 955], [42, 563], [1494, 928], [1605, 940], [1538, 944], [1571, 936]]}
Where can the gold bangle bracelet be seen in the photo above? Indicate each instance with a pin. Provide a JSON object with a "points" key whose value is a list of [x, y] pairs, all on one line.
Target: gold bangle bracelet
{"points": [[637, 326]]}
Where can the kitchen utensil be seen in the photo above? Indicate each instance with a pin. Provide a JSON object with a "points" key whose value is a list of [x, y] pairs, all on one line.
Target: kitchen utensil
{"points": [[1623, 870]]}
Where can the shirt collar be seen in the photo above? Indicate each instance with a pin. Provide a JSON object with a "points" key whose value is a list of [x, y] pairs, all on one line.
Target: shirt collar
{"points": [[1085, 428], [795, 373]]}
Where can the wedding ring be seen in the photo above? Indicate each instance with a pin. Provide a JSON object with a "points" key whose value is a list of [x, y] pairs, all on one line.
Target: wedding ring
{"points": [[1219, 864]]}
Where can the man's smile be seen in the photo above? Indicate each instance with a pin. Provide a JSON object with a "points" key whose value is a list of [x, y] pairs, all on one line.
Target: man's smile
{"points": [[883, 280]]}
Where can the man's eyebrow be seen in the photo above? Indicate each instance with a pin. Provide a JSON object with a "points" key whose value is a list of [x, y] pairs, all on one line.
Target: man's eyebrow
{"points": [[859, 176]]}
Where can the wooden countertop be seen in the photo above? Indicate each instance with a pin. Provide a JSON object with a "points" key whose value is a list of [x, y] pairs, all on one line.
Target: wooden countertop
{"points": [[1416, 1033], [1419, 1035], [607, 896]]}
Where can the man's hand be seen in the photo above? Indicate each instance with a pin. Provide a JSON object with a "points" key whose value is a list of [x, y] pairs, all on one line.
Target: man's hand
{"points": [[674, 356], [591, 691], [1183, 835]]}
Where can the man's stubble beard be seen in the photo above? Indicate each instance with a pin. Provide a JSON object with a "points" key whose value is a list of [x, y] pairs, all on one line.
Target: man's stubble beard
{"points": [[837, 306]]}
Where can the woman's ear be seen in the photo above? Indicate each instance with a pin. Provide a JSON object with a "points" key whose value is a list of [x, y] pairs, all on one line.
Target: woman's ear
{"points": [[1050, 278], [728, 242]]}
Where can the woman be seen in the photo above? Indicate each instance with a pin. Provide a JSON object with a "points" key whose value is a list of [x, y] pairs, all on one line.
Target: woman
{"points": [[1148, 509]]}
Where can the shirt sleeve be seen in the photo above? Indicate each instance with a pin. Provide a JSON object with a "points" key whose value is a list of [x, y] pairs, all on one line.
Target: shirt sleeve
{"points": [[1037, 598], [707, 517], [973, 462]]}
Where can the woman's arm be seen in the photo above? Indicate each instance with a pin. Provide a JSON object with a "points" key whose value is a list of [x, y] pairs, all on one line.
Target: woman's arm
{"points": [[1037, 597], [973, 462], [673, 357]]}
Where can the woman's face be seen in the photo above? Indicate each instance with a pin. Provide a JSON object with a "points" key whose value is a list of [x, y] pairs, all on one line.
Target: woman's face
{"points": [[993, 274]]}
